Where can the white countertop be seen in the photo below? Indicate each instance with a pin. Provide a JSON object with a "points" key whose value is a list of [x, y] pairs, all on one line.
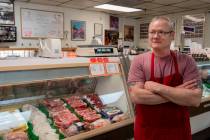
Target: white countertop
{"points": [[39, 61]]}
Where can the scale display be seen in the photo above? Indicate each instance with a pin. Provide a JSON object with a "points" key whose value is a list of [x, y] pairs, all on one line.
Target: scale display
{"points": [[96, 50], [104, 50]]}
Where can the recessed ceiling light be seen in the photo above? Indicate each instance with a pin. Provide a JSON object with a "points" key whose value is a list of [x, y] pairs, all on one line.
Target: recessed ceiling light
{"points": [[117, 8]]}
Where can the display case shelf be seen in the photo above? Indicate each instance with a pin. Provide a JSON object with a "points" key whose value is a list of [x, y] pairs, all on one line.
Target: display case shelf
{"points": [[99, 131]]}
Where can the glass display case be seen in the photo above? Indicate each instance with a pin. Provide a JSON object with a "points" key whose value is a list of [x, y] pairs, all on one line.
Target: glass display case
{"points": [[200, 116], [204, 69], [62, 98]]}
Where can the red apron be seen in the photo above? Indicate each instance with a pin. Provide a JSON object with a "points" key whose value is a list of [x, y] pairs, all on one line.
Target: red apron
{"points": [[167, 121]]}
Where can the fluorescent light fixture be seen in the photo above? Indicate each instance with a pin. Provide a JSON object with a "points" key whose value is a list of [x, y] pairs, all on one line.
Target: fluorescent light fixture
{"points": [[195, 19], [117, 8]]}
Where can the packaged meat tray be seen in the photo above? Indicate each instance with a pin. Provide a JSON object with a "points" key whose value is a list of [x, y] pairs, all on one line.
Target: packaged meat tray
{"points": [[50, 103], [98, 123], [88, 114], [75, 102], [110, 112], [73, 129], [16, 136], [94, 100], [64, 119]]}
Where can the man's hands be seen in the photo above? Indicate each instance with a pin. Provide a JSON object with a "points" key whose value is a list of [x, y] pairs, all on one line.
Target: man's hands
{"points": [[192, 84], [186, 94], [152, 86], [140, 95], [156, 87]]}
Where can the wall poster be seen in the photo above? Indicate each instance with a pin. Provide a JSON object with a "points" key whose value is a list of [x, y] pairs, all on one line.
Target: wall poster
{"points": [[111, 37], [128, 33], [114, 23], [7, 13], [78, 30]]}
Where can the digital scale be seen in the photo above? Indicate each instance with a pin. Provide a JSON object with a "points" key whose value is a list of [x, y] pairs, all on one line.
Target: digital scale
{"points": [[96, 50]]}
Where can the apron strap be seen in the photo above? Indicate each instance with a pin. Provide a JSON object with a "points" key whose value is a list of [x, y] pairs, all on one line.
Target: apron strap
{"points": [[152, 77], [175, 62]]}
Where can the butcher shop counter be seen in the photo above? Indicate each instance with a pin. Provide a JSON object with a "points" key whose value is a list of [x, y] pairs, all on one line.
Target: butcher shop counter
{"points": [[72, 98]]}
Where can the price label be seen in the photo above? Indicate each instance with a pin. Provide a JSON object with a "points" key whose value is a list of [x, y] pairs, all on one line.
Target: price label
{"points": [[97, 69], [112, 68]]}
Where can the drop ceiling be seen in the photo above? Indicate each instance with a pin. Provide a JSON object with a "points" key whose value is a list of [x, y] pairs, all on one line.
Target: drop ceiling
{"points": [[150, 7]]}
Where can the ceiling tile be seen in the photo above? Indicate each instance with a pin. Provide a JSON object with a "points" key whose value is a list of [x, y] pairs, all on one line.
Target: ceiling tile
{"points": [[147, 5], [207, 1], [94, 9], [193, 4], [80, 4], [168, 8], [128, 3], [21, 0], [150, 15], [45, 2], [202, 6], [105, 11], [60, 1], [167, 2], [102, 1], [133, 14]]}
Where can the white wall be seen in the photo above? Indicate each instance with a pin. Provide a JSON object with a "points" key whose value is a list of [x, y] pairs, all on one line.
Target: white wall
{"points": [[178, 19], [70, 14]]}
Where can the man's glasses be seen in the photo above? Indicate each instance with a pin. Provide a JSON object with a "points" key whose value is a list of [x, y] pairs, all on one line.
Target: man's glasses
{"points": [[159, 33]]}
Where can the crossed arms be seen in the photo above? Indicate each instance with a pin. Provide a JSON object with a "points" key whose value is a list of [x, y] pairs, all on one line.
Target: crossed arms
{"points": [[152, 93]]}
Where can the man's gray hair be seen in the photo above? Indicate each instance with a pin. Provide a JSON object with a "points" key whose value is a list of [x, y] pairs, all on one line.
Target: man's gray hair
{"points": [[170, 23]]}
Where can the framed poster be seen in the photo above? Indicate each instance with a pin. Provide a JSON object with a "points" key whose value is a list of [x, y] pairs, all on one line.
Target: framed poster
{"points": [[7, 13], [78, 30], [111, 37], [98, 29], [8, 34], [128, 33], [114, 23], [41, 24]]}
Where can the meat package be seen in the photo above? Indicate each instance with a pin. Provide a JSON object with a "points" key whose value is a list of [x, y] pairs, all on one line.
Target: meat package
{"points": [[51, 103], [94, 100], [16, 136], [80, 107], [40, 125], [110, 112], [88, 114], [75, 102], [61, 115], [64, 119]]}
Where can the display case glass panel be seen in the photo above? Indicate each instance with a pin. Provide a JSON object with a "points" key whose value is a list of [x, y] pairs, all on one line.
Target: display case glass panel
{"points": [[66, 99]]}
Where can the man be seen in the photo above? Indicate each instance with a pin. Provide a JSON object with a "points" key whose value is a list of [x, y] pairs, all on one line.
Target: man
{"points": [[163, 83]]}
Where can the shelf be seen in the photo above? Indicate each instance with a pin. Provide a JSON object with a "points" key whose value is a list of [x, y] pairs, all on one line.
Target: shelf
{"points": [[102, 130], [205, 99]]}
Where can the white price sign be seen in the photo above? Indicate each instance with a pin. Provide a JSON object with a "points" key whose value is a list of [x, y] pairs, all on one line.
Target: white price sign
{"points": [[112, 68], [97, 69]]}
